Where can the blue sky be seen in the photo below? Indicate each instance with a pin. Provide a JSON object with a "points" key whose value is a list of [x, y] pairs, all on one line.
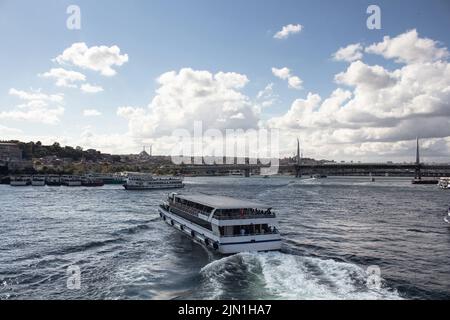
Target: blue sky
{"points": [[161, 36]]}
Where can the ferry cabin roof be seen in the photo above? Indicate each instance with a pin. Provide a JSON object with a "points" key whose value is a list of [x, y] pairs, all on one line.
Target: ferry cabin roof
{"points": [[222, 202]]}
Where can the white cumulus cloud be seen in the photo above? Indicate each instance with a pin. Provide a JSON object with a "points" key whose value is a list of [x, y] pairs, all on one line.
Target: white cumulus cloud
{"points": [[382, 111], [294, 82], [97, 58], [409, 48], [63, 77], [349, 53], [36, 107], [288, 30], [189, 95], [89, 88], [91, 113]]}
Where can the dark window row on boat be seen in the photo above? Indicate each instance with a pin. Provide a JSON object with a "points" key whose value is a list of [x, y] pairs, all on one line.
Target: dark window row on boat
{"points": [[192, 207], [189, 216], [225, 214], [247, 230]]}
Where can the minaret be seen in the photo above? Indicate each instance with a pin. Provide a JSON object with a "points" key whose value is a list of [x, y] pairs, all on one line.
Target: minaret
{"points": [[418, 172], [417, 152]]}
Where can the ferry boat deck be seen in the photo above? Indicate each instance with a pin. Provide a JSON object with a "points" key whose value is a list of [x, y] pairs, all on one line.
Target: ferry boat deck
{"points": [[224, 224]]}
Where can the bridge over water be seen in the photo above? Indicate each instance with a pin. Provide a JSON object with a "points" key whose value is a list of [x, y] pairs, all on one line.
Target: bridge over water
{"points": [[298, 168], [334, 169]]}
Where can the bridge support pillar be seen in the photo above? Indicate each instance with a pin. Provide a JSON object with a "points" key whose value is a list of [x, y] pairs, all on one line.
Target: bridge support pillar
{"points": [[298, 173]]}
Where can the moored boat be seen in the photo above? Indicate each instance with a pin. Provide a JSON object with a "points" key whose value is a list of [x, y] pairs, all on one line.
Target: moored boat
{"points": [[20, 181], [91, 182], [141, 181], [224, 224], [38, 181], [433, 181], [107, 178], [53, 180], [71, 181]]}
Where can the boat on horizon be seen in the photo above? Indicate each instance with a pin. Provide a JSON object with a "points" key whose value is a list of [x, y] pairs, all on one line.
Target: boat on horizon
{"points": [[143, 181], [107, 178], [20, 181], [444, 183], [433, 181], [71, 181], [53, 180], [38, 181], [224, 224], [91, 182]]}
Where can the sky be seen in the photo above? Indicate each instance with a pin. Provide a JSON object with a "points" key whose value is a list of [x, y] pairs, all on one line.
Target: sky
{"points": [[136, 71]]}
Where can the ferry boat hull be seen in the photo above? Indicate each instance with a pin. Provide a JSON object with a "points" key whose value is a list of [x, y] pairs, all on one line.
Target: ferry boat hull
{"points": [[143, 181], [53, 183], [38, 181], [153, 187], [72, 183], [223, 245], [19, 183]]}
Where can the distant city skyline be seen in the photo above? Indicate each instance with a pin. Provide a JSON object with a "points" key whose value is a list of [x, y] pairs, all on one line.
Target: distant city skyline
{"points": [[138, 70]]}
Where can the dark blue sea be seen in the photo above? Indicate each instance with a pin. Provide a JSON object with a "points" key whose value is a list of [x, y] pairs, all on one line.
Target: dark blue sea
{"points": [[333, 230]]}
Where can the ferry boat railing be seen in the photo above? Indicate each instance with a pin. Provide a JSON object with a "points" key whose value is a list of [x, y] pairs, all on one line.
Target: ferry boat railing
{"points": [[188, 209], [251, 234], [258, 214], [235, 216]]}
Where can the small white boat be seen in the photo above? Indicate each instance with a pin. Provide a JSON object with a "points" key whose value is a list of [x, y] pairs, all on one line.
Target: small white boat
{"points": [[444, 183], [71, 181], [20, 181], [223, 224], [142, 181], [38, 181]]}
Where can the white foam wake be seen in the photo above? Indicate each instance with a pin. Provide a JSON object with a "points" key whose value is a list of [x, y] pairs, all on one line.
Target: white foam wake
{"points": [[286, 276]]}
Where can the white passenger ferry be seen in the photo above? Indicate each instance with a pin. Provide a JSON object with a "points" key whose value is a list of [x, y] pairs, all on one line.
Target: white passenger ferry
{"points": [[71, 181], [38, 181], [20, 181], [142, 181], [225, 224], [53, 180]]}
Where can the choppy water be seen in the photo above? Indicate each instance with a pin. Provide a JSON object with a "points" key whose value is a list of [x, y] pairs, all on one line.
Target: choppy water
{"points": [[333, 229]]}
